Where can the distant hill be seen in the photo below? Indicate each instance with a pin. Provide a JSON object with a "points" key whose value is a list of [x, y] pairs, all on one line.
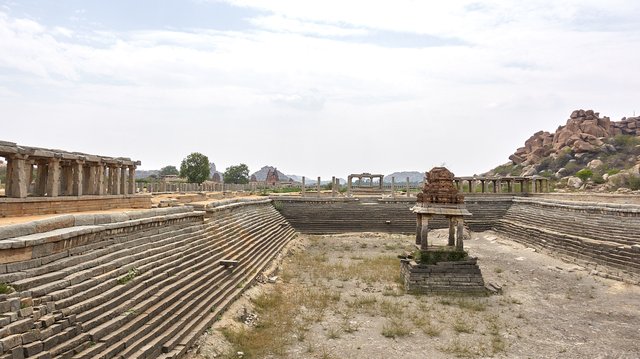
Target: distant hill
{"points": [[414, 176], [589, 152], [144, 174]]}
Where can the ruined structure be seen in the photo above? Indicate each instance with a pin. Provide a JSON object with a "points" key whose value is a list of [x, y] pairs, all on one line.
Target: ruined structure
{"points": [[61, 173], [43, 181], [364, 183], [441, 268], [272, 177]]}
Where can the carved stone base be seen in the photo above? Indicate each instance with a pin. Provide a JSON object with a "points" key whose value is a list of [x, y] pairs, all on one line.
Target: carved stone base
{"points": [[444, 277]]}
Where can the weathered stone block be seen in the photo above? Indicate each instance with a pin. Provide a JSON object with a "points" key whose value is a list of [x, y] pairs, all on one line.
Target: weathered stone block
{"points": [[10, 342], [32, 348]]}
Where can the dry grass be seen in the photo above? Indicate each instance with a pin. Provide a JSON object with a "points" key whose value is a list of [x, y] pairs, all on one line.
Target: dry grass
{"points": [[316, 303]]}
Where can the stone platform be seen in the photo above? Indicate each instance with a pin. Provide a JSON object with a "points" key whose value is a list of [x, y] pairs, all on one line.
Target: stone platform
{"points": [[443, 277]]}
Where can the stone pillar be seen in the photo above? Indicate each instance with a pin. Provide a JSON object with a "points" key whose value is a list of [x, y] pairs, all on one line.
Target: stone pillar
{"points": [[78, 180], [452, 231], [408, 187], [100, 188], [7, 185], [498, 185], [333, 186], [424, 231], [132, 179], [17, 174], [318, 186], [418, 228], [115, 189], [349, 186], [534, 183], [41, 179], [67, 179], [93, 180], [53, 178], [484, 185], [460, 234], [393, 187], [123, 181], [303, 190], [29, 169]]}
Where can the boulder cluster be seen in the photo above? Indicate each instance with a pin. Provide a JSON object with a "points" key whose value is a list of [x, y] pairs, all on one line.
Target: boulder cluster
{"points": [[589, 152], [584, 132]]}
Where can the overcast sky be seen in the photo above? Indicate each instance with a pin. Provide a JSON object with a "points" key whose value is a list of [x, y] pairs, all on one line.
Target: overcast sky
{"points": [[316, 88]]}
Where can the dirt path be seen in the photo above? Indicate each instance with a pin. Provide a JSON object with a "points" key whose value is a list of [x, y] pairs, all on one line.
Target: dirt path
{"points": [[339, 296]]}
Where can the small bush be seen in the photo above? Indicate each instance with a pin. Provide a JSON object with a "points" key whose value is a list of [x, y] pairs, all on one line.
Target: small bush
{"points": [[5, 288], [634, 183], [435, 256], [584, 174], [133, 272], [626, 141], [598, 179]]}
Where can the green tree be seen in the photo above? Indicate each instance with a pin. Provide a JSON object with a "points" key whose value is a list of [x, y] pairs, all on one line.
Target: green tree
{"points": [[195, 168], [169, 171], [236, 174], [584, 174]]}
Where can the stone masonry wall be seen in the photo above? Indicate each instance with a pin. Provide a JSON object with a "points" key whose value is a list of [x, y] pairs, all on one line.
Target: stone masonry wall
{"points": [[604, 237], [443, 277], [326, 215], [16, 207]]}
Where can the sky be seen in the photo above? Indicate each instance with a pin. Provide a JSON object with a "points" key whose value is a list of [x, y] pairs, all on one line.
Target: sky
{"points": [[315, 88]]}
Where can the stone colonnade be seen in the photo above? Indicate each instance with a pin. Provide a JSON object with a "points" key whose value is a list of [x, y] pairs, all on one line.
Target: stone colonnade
{"points": [[534, 184], [41, 172]]}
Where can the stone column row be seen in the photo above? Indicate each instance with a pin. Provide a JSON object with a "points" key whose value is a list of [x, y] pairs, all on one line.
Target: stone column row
{"points": [[535, 185], [55, 177]]}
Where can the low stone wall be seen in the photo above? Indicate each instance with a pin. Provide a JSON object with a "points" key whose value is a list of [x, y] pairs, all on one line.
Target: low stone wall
{"points": [[604, 237], [443, 277], [339, 215], [33, 206]]}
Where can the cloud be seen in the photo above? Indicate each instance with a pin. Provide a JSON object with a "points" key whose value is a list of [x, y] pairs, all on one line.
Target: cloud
{"points": [[310, 101], [449, 76]]}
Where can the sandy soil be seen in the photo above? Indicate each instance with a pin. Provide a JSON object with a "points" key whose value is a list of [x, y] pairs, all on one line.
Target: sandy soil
{"points": [[548, 308]]}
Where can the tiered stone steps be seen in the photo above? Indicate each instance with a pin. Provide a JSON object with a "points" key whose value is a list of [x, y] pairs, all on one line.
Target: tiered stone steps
{"points": [[171, 294], [146, 293], [321, 216], [599, 237]]}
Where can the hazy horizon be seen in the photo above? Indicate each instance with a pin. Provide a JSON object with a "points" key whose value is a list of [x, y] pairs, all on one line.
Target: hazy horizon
{"points": [[313, 88]]}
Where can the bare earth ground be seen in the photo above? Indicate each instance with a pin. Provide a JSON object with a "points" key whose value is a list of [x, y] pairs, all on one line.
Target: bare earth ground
{"points": [[339, 296]]}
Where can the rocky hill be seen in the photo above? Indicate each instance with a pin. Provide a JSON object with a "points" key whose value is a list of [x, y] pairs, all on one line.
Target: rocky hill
{"points": [[401, 177], [589, 152]]}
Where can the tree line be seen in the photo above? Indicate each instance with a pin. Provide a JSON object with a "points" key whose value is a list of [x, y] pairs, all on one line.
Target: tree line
{"points": [[196, 169]]}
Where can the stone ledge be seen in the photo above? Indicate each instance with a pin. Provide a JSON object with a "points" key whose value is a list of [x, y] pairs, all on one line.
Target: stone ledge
{"points": [[77, 220], [34, 245]]}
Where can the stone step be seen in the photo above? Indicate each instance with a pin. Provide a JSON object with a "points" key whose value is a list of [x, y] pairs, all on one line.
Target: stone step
{"points": [[189, 330], [193, 310], [139, 308], [81, 263], [187, 266]]}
